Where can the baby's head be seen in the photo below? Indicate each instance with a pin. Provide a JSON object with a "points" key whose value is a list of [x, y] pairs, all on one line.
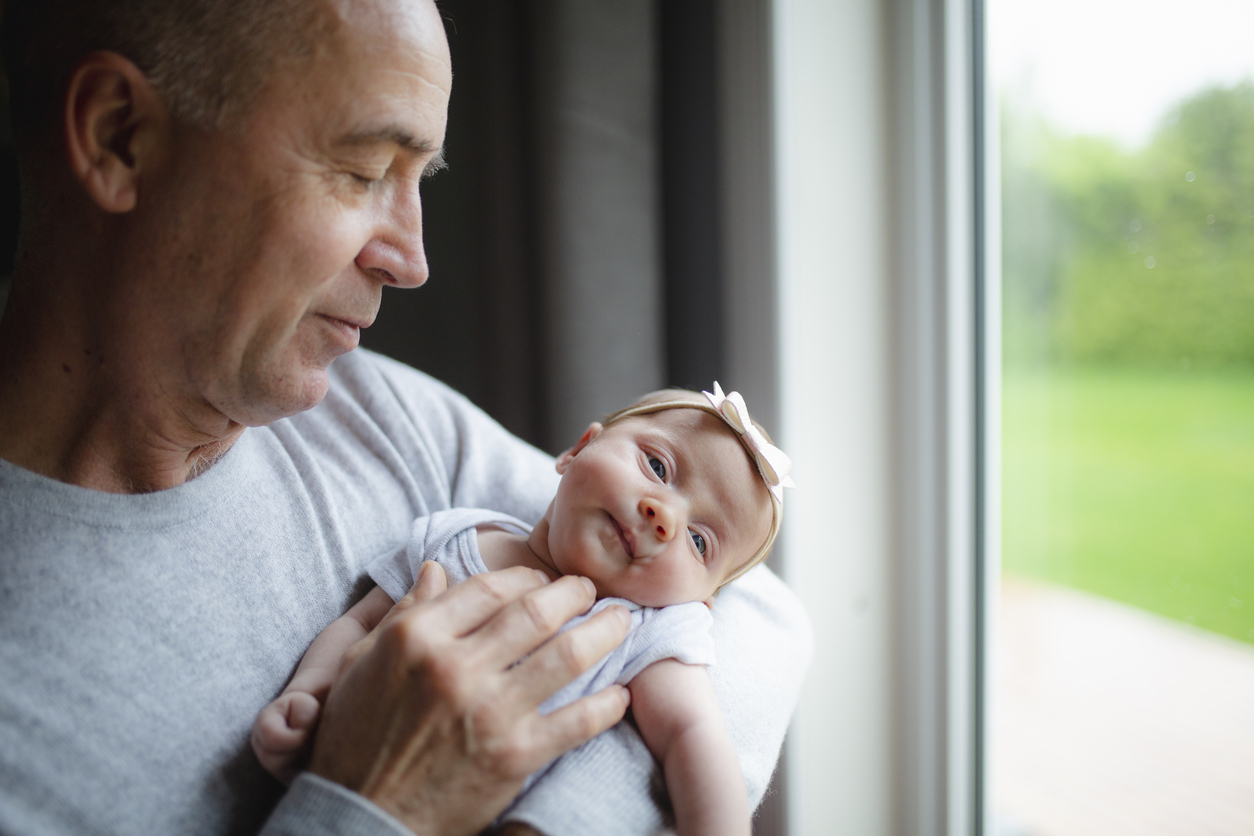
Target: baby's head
{"points": [[668, 500]]}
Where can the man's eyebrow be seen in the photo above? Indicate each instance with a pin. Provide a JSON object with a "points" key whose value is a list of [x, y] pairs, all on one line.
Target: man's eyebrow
{"points": [[403, 138]]}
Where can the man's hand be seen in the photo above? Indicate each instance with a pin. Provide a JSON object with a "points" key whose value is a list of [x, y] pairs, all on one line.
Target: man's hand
{"points": [[432, 720]]}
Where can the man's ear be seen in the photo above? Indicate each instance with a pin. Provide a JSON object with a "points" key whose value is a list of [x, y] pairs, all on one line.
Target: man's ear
{"points": [[564, 460], [116, 124]]}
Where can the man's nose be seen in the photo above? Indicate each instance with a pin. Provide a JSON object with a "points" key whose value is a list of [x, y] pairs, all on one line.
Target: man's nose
{"points": [[659, 516], [395, 263], [395, 254]]}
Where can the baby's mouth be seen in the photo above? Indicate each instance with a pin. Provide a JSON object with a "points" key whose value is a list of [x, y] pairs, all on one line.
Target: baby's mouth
{"points": [[622, 536]]}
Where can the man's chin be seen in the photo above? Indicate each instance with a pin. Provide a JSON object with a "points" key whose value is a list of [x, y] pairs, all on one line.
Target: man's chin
{"points": [[317, 384], [314, 386], [283, 396]]}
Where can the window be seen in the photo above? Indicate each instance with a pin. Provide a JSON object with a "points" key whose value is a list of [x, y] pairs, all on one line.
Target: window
{"points": [[1123, 669]]}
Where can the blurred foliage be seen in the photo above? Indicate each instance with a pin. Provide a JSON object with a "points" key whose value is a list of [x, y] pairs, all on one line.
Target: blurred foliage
{"points": [[1128, 332], [1132, 257]]}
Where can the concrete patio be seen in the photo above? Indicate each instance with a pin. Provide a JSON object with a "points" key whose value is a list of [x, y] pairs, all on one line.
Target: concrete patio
{"points": [[1108, 720]]}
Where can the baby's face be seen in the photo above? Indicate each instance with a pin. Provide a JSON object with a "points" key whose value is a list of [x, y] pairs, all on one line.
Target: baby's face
{"points": [[658, 509]]}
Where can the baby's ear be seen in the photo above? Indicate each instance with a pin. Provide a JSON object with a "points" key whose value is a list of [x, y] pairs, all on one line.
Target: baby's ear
{"points": [[564, 460]]}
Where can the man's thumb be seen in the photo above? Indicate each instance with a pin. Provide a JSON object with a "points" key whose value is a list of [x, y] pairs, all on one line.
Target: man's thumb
{"points": [[431, 582]]}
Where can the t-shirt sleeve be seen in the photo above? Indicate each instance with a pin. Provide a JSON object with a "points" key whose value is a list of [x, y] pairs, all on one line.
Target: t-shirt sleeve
{"points": [[447, 537], [315, 806], [681, 631], [608, 785]]}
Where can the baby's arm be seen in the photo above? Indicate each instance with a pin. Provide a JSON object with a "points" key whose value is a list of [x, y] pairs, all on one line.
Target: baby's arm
{"points": [[283, 731], [680, 721]]}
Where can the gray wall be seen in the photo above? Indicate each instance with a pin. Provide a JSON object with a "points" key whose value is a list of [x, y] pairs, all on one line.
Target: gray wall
{"points": [[598, 223]]}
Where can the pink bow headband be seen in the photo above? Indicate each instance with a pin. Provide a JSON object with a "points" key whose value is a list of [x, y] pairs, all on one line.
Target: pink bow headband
{"points": [[772, 462]]}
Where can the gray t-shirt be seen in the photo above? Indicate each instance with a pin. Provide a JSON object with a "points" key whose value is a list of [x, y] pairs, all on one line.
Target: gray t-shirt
{"points": [[140, 634]]}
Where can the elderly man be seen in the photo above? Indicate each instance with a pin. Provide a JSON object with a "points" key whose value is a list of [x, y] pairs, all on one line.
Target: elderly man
{"points": [[214, 194]]}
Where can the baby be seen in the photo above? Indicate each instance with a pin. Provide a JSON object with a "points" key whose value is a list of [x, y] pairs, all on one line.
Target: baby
{"points": [[673, 497]]}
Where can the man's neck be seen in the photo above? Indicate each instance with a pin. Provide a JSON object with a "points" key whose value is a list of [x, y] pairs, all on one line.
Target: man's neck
{"points": [[74, 410]]}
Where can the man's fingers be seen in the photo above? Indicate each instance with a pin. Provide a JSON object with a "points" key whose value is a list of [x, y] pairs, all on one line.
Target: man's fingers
{"points": [[579, 722], [431, 609], [431, 582], [526, 624], [538, 676], [469, 605]]}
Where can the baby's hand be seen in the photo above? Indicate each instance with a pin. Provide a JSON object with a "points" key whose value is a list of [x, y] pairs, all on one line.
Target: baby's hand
{"points": [[283, 733]]}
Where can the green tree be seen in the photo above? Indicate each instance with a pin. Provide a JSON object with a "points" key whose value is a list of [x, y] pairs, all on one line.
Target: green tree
{"points": [[1141, 257]]}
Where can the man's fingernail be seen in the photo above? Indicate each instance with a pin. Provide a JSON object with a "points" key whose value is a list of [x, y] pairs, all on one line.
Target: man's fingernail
{"points": [[626, 695], [624, 616], [543, 577], [589, 585]]}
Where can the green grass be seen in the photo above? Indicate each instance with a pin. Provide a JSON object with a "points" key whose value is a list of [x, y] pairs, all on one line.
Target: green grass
{"points": [[1135, 485]]}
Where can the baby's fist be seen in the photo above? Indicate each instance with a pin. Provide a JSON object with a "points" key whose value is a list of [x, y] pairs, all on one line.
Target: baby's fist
{"points": [[283, 734]]}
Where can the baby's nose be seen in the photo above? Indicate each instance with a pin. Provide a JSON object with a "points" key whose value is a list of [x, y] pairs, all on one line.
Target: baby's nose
{"points": [[659, 516]]}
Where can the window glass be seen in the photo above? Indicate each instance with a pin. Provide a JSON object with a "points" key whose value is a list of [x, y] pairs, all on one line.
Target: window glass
{"points": [[1122, 696]]}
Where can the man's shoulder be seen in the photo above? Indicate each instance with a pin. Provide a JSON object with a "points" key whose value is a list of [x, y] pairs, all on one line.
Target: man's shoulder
{"points": [[369, 389], [365, 375], [380, 409]]}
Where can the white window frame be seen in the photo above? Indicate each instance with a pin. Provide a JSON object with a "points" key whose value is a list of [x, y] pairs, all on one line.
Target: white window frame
{"points": [[888, 367]]}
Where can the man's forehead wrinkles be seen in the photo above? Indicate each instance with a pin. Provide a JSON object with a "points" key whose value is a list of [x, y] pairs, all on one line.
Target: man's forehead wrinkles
{"points": [[426, 78]]}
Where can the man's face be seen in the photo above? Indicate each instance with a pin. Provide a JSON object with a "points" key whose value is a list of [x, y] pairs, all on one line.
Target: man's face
{"points": [[658, 509], [271, 241]]}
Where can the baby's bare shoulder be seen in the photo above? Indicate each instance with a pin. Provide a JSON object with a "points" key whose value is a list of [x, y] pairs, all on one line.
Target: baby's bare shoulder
{"points": [[502, 549]]}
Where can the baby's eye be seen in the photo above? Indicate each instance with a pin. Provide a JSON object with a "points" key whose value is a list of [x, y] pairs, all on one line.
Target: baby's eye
{"points": [[659, 467], [698, 541]]}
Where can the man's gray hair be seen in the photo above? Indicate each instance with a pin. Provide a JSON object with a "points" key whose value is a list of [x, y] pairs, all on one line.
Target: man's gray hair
{"points": [[208, 58]]}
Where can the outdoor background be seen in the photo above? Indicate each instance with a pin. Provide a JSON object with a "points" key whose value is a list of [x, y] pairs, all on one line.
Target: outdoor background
{"points": [[1128, 323], [1127, 174], [1123, 665]]}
